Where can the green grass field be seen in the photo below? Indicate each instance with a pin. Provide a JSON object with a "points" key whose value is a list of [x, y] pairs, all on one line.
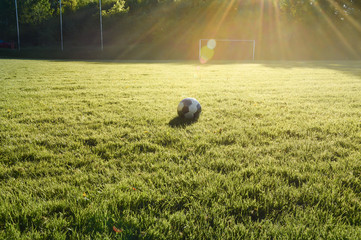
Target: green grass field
{"points": [[88, 146]]}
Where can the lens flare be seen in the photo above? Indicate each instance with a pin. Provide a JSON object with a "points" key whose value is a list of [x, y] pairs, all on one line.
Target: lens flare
{"points": [[206, 54], [197, 72], [211, 44]]}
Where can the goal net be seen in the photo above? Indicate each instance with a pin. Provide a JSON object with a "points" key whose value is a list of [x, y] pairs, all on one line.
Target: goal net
{"points": [[226, 49]]}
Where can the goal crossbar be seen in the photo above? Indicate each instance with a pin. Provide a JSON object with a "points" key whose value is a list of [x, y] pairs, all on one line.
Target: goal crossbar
{"points": [[227, 40]]}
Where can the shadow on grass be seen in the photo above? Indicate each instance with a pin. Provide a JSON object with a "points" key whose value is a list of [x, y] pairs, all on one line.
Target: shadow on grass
{"points": [[350, 67], [347, 67], [178, 122]]}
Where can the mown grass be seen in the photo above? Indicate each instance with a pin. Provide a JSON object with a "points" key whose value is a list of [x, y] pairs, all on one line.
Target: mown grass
{"points": [[86, 146]]}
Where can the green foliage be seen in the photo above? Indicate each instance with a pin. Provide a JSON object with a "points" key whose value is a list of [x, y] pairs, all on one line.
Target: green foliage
{"points": [[274, 155], [34, 11], [70, 5], [114, 7], [308, 10]]}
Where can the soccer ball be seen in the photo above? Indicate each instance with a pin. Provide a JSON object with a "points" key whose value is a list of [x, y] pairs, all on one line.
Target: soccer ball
{"points": [[189, 108]]}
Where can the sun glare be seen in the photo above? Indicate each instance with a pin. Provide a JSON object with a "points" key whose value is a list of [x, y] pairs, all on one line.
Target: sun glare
{"points": [[263, 20]]}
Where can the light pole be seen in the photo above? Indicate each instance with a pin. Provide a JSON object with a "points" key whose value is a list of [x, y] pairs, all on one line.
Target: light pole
{"points": [[61, 28], [17, 24], [101, 25]]}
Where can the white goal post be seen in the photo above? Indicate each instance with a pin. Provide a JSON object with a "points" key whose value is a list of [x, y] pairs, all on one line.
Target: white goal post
{"points": [[228, 40]]}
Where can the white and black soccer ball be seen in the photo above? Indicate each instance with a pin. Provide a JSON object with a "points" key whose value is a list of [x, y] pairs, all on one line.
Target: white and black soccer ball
{"points": [[189, 108]]}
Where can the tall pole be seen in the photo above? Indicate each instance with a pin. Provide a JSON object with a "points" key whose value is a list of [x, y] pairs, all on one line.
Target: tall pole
{"points": [[254, 48], [61, 28], [17, 24], [199, 49], [101, 25]]}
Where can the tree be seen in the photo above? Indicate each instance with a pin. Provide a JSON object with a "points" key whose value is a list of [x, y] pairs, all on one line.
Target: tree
{"points": [[69, 5], [304, 10], [114, 7], [34, 11]]}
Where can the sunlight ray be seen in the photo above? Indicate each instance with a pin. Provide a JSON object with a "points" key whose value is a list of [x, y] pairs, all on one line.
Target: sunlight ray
{"points": [[260, 22], [228, 7], [340, 36], [347, 17], [283, 45]]}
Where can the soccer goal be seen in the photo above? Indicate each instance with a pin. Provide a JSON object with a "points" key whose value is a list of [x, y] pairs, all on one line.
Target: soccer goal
{"points": [[227, 49]]}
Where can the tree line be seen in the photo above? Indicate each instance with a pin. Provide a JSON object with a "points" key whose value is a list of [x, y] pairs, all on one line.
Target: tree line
{"points": [[283, 29]]}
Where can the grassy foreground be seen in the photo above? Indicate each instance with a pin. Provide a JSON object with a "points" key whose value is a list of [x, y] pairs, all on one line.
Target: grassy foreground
{"points": [[94, 150]]}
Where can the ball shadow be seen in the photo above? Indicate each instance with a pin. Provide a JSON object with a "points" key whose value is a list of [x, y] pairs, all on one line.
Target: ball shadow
{"points": [[178, 122]]}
